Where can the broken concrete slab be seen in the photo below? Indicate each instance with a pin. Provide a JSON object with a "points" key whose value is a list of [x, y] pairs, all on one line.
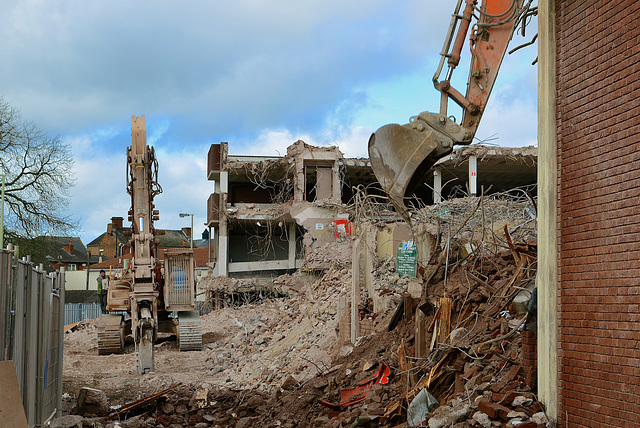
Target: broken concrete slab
{"points": [[92, 402], [68, 421], [445, 416]]}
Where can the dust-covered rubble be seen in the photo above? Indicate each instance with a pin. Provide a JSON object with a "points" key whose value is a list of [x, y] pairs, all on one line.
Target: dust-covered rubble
{"points": [[282, 362]]}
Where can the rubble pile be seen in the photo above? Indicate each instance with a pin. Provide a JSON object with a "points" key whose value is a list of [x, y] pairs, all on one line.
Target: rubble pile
{"points": [[336, 254], [481, 220], [389, 286], [450, 348], [472, 367], [264, 345]]}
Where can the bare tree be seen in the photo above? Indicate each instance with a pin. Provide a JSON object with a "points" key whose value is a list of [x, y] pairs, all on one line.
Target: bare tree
{"points": [[38, 170]]}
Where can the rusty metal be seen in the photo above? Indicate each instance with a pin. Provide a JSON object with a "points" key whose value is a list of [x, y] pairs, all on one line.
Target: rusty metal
{"points": [[143, 401]]}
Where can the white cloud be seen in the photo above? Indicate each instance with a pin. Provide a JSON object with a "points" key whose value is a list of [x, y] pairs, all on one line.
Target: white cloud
{"points": [[257, 74], [270, 142], [235, 66], [100, 192]]}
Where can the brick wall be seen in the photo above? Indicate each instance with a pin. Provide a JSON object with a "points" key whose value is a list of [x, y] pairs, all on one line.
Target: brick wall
{"points": [[598, 113], [529, 357]]}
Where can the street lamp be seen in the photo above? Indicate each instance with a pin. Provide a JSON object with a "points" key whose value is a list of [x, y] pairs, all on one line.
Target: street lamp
{"points": [[185, 215]]}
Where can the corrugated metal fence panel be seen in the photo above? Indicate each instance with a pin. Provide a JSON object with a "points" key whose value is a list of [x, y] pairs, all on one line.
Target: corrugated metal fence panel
{"points": [[31, 334], [32, 328], [74, 312], [6, 308], [53, 348]]}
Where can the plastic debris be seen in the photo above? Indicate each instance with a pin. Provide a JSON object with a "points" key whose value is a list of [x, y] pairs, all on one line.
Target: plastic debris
{"points": [[420, 406]]}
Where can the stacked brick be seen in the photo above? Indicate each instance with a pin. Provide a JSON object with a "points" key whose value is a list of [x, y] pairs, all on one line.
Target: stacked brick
{"points": [[598, 64]]}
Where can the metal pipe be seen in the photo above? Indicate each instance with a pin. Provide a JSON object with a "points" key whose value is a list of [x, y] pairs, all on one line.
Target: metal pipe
{"points": [[454, 58]]}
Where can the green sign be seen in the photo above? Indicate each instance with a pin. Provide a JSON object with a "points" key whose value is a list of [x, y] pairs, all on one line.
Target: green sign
{"points": [[406, 259]]}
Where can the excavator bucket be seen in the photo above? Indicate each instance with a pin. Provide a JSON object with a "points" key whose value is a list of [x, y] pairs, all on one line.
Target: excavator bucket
{"points": [[401, 155]]}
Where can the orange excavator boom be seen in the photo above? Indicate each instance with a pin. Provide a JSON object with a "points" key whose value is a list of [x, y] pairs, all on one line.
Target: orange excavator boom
{"points": [[402, 154]]}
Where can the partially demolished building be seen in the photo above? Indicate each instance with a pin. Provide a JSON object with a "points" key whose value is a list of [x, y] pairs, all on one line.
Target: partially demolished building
{"points": [[266, 212], [262, 206]]}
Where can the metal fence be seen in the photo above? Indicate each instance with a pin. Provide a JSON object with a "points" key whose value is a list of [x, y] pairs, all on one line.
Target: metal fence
{"points": [[31, 334], [74, 312]]}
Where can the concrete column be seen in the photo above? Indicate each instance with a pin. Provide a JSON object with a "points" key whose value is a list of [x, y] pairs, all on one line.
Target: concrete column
{"points": [[224, 182], [355, 290], [473, 175], [370, 237], [437, 186], [336, 184], [223, 229], [215, 243], [299, 181], [292, 245], [209, 245], [547, 211], [223, 250]]}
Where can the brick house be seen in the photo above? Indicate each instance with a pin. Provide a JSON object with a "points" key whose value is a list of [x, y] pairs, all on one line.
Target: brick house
{"points": [[113, 242], [589, 212], [65, 252]]}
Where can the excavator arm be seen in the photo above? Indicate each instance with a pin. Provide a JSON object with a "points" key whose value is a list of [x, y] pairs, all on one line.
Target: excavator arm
{"points": [[142, 185], [402, 154], [159, 296]]}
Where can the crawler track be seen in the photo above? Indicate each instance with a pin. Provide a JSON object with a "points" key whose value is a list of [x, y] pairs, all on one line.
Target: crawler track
{"points": [[110, 334], [189, 331]]}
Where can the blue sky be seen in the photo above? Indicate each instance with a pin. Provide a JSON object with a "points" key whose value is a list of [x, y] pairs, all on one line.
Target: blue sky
{"points": [[259, 75]]}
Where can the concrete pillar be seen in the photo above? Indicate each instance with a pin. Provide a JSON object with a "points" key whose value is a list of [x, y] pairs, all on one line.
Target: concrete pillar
{"points": [[437, 186], [215, 243], [223, 229], [224, 182], [299, 181], [292, 245], [209, 256], [223, 250], [369, 249], [547, 211], [355, 290], [473, 175], [336, 184]]}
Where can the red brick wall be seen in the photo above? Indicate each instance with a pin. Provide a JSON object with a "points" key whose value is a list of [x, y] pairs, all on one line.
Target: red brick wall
{"points": [[598, 99], [529, 357]]}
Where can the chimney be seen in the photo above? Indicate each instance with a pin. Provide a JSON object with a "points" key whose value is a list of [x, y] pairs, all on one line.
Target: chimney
{"points": [[187, 231], [69, 248], [117, 221]]}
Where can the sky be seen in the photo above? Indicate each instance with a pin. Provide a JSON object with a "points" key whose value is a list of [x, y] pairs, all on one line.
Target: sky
{"points": [[256, 74]]}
